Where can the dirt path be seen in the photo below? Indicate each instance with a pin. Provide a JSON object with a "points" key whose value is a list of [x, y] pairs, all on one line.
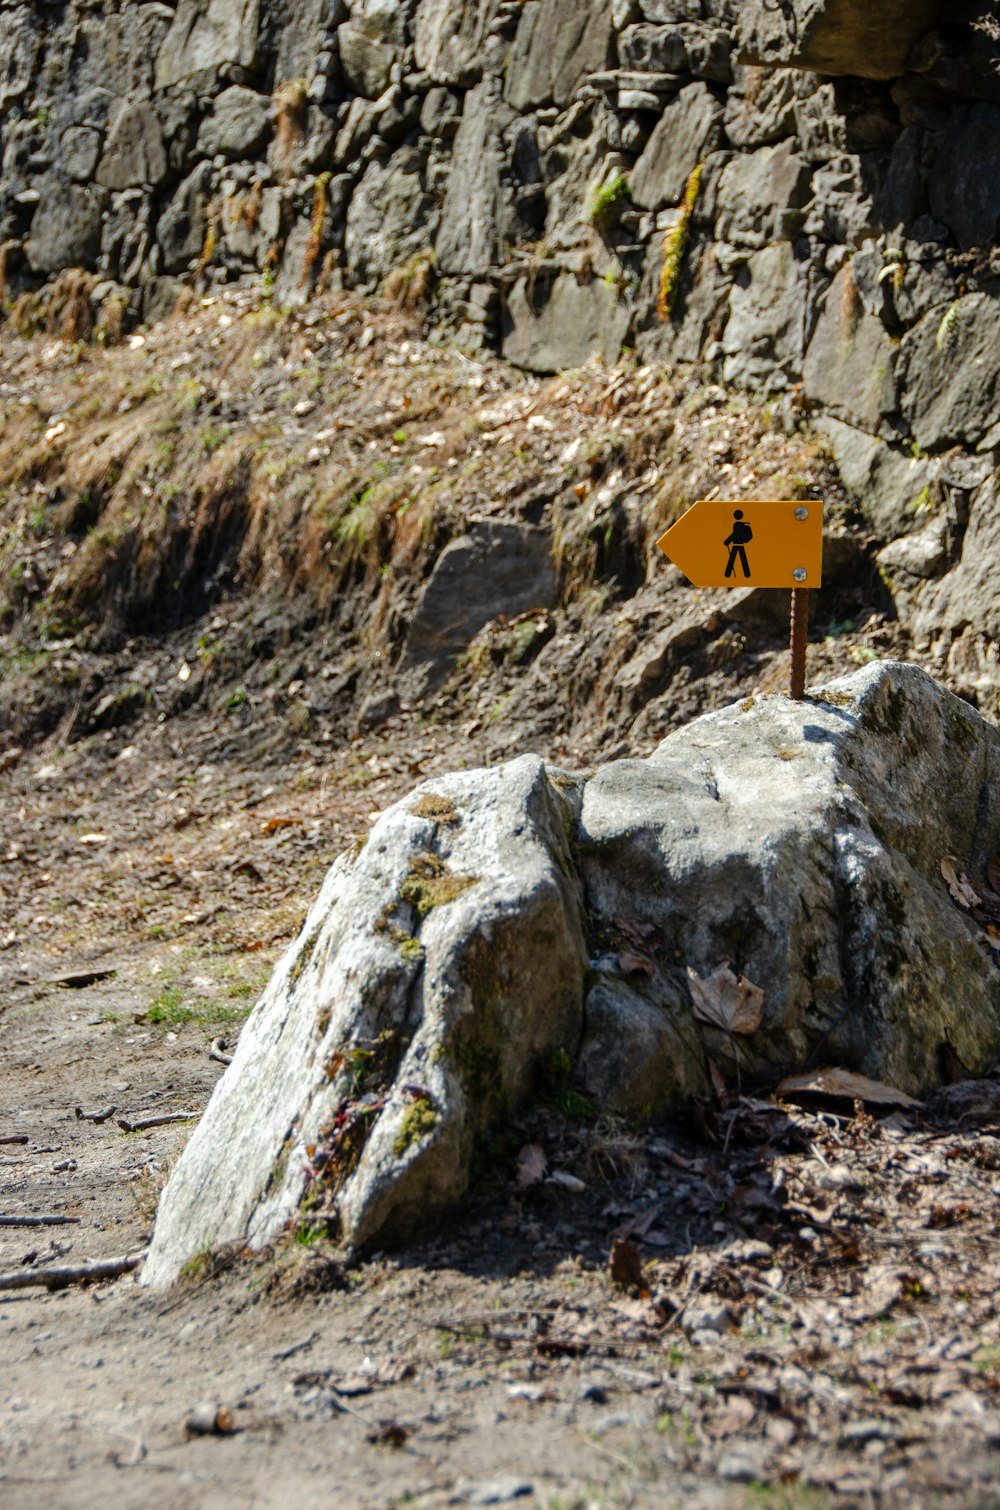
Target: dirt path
{"points": [[819, 1323]]}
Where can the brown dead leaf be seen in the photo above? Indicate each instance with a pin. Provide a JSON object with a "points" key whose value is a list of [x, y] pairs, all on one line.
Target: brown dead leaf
{"points": [[844, 1085], [639, 1225], [532, 1165], [271, 825], [726, 1001], [961, 888], [993, 872], [639, 934], [626, 1266], [718, 1084], [636, 964], [736, 1415], [947, 1216]]}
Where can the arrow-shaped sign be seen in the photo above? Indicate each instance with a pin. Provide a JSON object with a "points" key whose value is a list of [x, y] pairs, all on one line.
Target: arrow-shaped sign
{"points": [[749, 543]]}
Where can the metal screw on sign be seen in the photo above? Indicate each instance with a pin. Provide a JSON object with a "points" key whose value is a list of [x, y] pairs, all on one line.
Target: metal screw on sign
{"points": [[736, 543]]}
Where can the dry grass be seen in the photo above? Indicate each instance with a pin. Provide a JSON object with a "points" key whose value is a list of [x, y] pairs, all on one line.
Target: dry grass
{"points": [[315, 243], [8, 249], [332, 460], [410, 286], [61, 308], [851, 307], [110, 324], [291, 113], [251, 205], [209, 243]]}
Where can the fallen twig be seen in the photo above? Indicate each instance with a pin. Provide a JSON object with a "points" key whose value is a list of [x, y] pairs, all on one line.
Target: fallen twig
{"points": [[38, 1221], [141, 1124], [75, 1274], [101, 1116], [14, 1138], [76, 980], [296, 1347], [217, 1052]]}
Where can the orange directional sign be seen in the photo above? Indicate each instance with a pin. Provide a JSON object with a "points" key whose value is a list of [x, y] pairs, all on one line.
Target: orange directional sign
{"points": [[748, 543]]}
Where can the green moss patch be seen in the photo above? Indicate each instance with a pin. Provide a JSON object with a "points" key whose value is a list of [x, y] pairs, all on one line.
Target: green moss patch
{"points": [[439, 809], [430, 885], [418, 1123], [304, 957]]}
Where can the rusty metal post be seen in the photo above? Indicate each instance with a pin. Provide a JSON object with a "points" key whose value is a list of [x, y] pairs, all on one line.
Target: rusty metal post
{"points": [[800, 635]]}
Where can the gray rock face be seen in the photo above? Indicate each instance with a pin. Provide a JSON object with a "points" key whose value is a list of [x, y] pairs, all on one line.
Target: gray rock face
{"points": [[79, 151], [848, 366], [65, 229], [133, 153], [440, 1018], [761, 196], [207, 36], [688, 129], [762, 109], [366, 60], [699, 50], [888, 484], [965, 185], [558, 42], [495, 568], [836, 36], [449, 38], [239, 125], [473, 213], [181, 231], [444, 963], [134, 137], [764, 337], [963, 600], [949, 373], [391, 218], [563, 323]]}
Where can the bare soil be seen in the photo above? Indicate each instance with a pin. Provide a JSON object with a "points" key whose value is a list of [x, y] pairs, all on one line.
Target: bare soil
{"points": [[802, 1308]]}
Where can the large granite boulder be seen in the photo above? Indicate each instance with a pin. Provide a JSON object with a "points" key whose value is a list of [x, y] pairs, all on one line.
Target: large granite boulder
{"points": [[780, 857], [437, 971]]}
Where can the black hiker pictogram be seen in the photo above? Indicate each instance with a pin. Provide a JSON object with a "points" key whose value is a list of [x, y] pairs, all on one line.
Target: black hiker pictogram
{"points": [[741, 536]]}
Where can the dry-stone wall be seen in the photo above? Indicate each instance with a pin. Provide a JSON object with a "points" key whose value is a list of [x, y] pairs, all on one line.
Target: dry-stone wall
{"points": [[807, 190]]}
